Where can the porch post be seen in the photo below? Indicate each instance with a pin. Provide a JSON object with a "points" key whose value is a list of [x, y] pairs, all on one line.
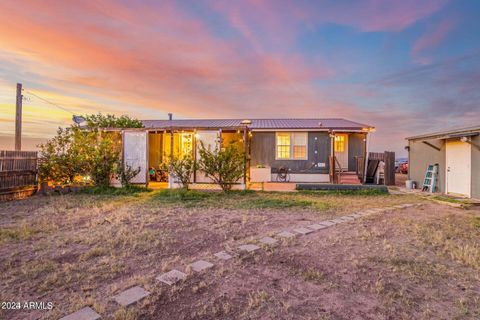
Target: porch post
{"points": [[194, 142], [332, 156], [365, 159], [170, 175], [245, 145]]}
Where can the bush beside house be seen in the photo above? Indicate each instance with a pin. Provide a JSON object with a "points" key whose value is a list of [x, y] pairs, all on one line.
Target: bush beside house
{"points": [[80, 152]]}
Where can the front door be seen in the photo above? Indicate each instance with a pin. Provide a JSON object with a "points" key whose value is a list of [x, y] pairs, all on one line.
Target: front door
{"points": [[341, 150], [458, 167]]}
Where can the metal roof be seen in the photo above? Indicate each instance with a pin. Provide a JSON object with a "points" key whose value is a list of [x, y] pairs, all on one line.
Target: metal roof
{"points": [[257, 124], [449, 133]]}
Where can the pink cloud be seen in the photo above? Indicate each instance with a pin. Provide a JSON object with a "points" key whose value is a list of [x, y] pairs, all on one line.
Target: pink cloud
{"points": [[161, 58], [433, 37]]}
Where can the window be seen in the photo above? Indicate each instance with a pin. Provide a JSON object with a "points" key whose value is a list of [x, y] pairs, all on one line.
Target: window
{"points": [[283, 145], [339, 143], [291, 145]]}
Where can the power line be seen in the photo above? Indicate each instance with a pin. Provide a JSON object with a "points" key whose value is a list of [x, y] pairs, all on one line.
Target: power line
{"points": [[49, 102]]}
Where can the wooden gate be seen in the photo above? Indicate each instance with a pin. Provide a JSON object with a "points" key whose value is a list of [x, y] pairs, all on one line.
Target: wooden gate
{"points": [[18, 174]]}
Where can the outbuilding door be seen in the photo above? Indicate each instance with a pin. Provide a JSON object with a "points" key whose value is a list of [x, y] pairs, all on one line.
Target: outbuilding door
{"points": [[458, 168], [135, 153]]}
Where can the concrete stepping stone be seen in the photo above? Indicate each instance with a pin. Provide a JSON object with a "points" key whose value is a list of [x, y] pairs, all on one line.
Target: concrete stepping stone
{"points": [[363, 213], [248, 247], [268, 240], [130, 296], [316, 226], [286, 234], [86, 313], [303, 231], [338, 220], [328, 223], [347, 218], [224, 255], [171, 277], [201, 265], [355, 215]]}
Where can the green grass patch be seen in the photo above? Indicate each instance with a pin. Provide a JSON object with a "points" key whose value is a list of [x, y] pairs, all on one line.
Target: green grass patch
{"points": [[21, 233], [359, 192], [264, 203], [181, 196], [232, 199], [111, 191], [475, 222], [447, 199]]}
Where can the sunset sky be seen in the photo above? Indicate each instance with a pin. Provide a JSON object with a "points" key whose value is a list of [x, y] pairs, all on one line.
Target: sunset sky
{"points": [[403, 66]]}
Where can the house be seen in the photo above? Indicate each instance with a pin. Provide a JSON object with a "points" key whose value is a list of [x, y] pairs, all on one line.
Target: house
{"points": [[457, 153], [305, 148]]}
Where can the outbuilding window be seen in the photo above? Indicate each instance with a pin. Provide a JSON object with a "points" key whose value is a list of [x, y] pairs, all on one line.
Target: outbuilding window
{"points": [[291, 145]]}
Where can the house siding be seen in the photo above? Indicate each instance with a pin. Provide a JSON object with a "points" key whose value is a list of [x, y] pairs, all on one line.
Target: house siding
{"points": [[356, 145], [476, 167], [422, 155], [263, 153]]}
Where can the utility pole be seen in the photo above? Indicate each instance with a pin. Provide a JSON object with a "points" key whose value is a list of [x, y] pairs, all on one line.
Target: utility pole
{"points": [[18, 119]]}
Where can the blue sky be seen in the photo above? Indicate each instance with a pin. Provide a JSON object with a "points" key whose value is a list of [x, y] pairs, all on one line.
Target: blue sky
{"points": [[404, 67]]}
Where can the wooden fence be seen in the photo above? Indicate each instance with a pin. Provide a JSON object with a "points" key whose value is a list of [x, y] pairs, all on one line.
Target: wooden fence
{"points": [[18, 174], [360, 167], [389, 158]]}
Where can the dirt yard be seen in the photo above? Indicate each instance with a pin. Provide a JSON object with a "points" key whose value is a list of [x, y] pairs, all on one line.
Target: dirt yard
{"points": [[80, 250]]}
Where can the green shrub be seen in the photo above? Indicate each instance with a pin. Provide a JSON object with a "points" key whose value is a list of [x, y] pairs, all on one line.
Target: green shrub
{"points": [[126, 173], [224, 166], [182, 169], [63, 157], [85, 151]]}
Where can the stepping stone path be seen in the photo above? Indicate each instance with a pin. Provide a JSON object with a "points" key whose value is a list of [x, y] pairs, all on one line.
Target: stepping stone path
{"points": [[223, 255], [171, 277], [355, 215], [316, 226], [303, 231], [86, 313], [135, 294], [130, 296], [201, 265], [286, 234], [249, 247], [268, 240]]}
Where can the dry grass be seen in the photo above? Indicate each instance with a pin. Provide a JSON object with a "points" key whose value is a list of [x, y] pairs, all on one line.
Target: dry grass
{"points": [[78, 250]]}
